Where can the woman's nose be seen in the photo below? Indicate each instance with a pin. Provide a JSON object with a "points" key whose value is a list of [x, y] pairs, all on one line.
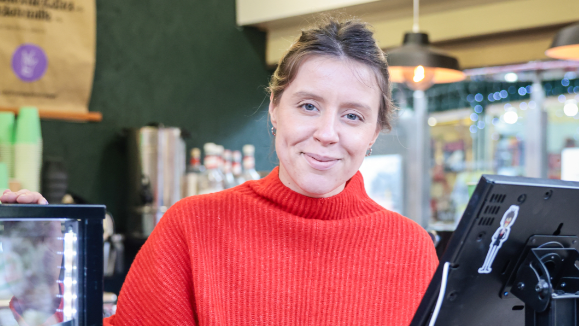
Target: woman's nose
{"points": [[326, 132]]}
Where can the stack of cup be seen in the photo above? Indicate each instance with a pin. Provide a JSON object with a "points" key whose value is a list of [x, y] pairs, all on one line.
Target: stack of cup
{"points": [[7, 141], [3, 177], [28, 149]]}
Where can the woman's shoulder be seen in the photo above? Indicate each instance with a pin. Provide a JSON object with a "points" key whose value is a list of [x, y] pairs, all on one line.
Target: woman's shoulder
{"points": [[217, 198], [403, 225], [408, 237]]}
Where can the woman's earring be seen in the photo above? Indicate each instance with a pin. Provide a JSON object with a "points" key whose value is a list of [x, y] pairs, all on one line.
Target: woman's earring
{"points": [[369, 152], [273, 130]]}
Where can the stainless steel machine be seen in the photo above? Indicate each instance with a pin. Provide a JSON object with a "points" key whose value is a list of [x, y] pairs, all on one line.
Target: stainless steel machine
{"points": [[157, 163]]}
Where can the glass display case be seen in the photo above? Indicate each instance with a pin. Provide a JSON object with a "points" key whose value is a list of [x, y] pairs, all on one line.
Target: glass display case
{"points": [[51, 265]]}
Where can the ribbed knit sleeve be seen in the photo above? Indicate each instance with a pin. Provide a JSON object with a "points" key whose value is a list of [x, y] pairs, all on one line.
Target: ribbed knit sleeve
{"points": [[158, 289]]}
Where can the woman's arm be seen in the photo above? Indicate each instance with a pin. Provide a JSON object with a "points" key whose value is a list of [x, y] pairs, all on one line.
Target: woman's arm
{"points": [[159, 289]]}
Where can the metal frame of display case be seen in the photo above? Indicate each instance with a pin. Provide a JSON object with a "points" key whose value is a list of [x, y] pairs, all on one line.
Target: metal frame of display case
{"points": [[90, 248]]}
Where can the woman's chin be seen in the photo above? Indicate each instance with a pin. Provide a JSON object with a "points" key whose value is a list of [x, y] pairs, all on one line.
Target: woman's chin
{"points": [[314, 183]]}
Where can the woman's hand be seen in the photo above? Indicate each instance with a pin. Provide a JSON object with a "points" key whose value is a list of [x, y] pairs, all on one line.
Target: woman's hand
{"points": [[22, 197]]}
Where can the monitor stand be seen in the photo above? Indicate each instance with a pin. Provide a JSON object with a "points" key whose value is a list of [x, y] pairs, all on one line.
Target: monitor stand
{"points": [[548, 283], [560, 312]]}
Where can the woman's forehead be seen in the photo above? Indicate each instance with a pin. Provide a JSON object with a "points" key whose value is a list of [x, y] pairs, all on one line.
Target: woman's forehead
{"points": [[324, 66], [338, 76]]}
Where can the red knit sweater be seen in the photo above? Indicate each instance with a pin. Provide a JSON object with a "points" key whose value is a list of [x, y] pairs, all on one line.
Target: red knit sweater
{"points": [[262, 254]]}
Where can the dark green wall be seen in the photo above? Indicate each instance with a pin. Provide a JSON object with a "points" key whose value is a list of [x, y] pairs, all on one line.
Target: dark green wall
{"points": [[182, 63]]}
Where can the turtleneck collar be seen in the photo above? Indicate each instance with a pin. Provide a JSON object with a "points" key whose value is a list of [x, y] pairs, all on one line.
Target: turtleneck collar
{"points": [[350, 202]]}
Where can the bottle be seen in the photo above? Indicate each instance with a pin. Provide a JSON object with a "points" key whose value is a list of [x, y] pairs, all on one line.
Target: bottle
{"points": [[220, 159], [236, 168], [210, 180], [249, 172], [229, 180], [194, 170], [220, 162]]}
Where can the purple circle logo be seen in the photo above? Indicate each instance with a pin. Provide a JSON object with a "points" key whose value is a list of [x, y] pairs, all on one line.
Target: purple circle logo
{"points": [[29, 62]]}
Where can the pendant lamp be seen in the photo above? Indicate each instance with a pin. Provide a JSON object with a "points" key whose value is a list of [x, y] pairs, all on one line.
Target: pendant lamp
{"points": [[419, 65], [565, 44]]}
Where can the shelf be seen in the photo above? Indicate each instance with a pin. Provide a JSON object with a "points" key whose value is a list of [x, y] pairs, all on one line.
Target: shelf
{"points": [[69, 116]]}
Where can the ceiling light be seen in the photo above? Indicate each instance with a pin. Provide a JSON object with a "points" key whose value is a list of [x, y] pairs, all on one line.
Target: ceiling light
{"points": [[570, 109], [419, 65], [565, 44], [511, 117], [511, 77]]}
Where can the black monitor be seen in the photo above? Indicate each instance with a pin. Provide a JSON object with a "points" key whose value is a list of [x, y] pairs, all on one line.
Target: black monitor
{"points": [[513, 259]]}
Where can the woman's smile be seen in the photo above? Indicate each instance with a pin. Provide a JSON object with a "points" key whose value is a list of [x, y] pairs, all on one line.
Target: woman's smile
{"points": [[320, 162]]}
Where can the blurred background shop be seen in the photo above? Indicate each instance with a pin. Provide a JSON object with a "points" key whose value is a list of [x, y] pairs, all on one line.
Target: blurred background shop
{"points": [[172, 85]]}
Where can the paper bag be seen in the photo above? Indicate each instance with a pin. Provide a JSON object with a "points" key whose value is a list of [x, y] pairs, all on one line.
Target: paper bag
{"points": [[47, 54]]}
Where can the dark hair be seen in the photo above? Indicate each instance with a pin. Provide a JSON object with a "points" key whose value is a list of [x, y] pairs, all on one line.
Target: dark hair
{"points": [[348, 39]]}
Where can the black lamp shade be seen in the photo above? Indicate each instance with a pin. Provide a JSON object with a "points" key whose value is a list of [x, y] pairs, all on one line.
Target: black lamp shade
{"points": [[565, 44], [417, 51]]}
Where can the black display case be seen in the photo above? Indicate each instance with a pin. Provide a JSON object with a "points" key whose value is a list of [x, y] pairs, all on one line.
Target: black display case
{"points": [[51, 262]]}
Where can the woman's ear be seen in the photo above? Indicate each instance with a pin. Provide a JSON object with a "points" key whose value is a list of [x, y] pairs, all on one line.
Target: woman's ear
{"points": [[272, 112]]}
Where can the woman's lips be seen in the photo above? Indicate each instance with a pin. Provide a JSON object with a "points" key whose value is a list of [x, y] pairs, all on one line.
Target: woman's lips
{"points": [[320, 162]]}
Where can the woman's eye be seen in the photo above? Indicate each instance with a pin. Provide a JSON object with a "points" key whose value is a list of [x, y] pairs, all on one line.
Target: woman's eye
{"points": [[352, 116], [309, 107]]}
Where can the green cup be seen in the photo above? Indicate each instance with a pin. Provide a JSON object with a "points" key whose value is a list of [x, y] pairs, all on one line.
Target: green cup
{"points": [[27, 126], [3, 177], [6, 128]]}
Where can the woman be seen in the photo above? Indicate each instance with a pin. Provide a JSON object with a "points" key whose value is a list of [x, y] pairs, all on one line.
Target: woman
{"points": [[305, 245]]}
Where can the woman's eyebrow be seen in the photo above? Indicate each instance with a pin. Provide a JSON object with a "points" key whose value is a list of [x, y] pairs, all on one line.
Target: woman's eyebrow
{"points": [[356, 105], [304, 94]]}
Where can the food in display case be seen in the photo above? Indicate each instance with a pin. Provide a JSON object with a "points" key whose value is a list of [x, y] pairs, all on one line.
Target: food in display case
{"points": [[51, 265]]}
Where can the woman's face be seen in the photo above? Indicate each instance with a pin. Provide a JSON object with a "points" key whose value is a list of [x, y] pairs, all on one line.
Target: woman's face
{"points": [[326, 120]]}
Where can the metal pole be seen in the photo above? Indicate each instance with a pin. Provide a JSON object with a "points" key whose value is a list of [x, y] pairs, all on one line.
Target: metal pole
{"points": [[536, 134], [415, 26], [418, 167], [480, 145]]}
